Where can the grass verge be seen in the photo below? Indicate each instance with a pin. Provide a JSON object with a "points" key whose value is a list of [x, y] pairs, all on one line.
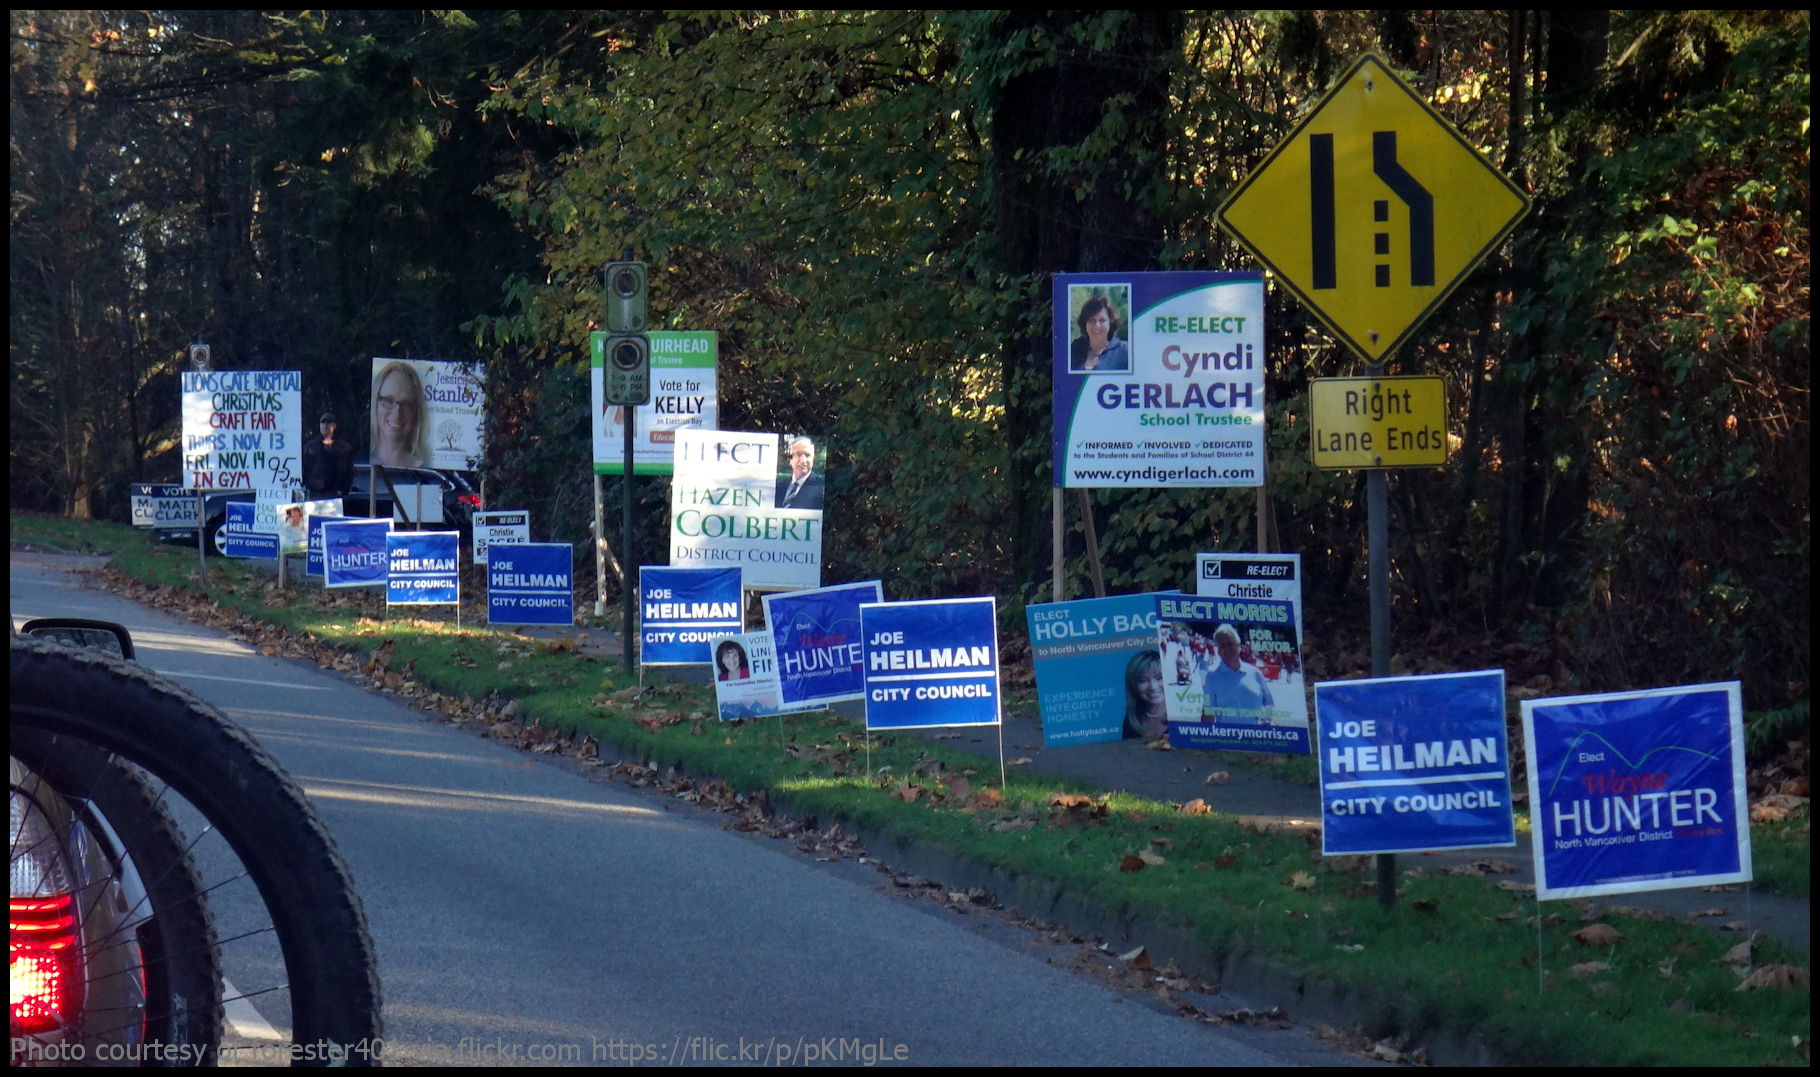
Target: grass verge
{"points": [[1453, 954]]}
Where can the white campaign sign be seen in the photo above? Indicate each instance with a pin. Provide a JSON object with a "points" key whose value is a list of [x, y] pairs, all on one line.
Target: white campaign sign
{"points": [[493, 528], [724, 514], [427, 413], [242, 429], [684, 395]]}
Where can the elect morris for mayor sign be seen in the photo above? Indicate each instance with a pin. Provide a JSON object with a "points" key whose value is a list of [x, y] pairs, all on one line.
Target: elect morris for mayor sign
{"points": [[242, 429]]}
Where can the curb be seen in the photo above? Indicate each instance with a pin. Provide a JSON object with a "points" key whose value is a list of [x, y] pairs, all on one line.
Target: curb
{"points": [[1261, 979]]}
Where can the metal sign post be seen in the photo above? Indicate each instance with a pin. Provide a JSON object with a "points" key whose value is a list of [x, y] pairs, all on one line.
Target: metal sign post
{"points": [[1372, 211], [625, 588]]}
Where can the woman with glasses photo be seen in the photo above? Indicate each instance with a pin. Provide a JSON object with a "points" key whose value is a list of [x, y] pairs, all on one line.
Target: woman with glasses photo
{"points": [[400, 436]]}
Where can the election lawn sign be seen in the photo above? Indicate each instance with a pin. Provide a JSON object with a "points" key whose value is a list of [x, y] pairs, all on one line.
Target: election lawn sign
{"points": [[750, 688], [161, 505], [931, 663], [1176, 398], [293, 525], [354, 552], [1634, 791], [1096, 662], [724, 514], [684, 611], [1245, 695], [1414, 764], [313, 519], [684, 396], [1273, 576], [423, 568], [531, 583], [453, 416], [491, 528], [816, 634], [239, 539]]}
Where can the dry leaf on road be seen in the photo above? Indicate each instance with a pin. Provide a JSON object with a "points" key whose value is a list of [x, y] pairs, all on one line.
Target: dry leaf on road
{"points": [[1021, 760], [1138, 959], [1218, 777]]}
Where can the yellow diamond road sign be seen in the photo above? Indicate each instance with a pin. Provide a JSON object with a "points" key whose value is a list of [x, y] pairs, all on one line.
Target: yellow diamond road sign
{"points": [[1373, 209]]}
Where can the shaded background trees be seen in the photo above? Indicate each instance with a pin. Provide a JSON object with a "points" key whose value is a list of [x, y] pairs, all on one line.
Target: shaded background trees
{"points": [[867, 207]]}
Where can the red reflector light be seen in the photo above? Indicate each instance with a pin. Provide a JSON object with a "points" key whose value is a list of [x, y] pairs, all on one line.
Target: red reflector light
{"points": [[470, 500], [42, 933]]}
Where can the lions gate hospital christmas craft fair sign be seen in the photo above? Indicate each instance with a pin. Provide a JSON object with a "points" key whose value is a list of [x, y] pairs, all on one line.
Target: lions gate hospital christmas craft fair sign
{"points": [[1159, 379], [242, 429]]}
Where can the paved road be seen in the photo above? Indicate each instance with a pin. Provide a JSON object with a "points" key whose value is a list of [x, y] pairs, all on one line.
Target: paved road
{"points": [[514, 901]]}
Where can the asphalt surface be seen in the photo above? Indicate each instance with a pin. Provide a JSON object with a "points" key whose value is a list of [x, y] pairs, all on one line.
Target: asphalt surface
{"points": [[516, 902]]}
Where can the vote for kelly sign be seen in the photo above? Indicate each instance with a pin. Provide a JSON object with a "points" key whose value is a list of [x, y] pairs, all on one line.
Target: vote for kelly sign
{"points": [[1638, 790]]}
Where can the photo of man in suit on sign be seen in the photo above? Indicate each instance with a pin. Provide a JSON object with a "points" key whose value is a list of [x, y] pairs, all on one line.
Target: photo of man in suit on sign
{"points": [[802, 488]]}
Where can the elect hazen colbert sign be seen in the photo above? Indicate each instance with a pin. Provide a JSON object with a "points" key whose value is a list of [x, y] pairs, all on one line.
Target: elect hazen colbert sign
{"points": [[242, 429], [931, 663], [724, 514], [1159, 379], [1638, 790]]}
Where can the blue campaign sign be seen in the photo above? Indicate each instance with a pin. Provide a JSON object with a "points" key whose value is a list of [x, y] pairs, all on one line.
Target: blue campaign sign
{"points": [[531, 583], [423, 568], [817, 638], [1638, 790], [1233, 667], [685, 610], [238, 539], [312, 558], [354, 552], [931, 663], [1412, 764], [1099, 672]]}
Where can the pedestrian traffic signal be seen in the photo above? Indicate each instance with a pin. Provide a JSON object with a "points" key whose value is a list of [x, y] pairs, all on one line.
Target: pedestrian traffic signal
{"points": [[627, 291], [627, 371]]}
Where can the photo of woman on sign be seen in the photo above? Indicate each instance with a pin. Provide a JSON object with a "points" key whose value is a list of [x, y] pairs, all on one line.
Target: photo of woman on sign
{"points": [[731, 658], [1145, 713], [401, 438], [1097, 347]]}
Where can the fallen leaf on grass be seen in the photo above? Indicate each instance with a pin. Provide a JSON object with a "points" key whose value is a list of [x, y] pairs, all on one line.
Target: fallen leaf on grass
{"points": [[1012, 824], [1021, 760], [988, 798], [1131, 864], [1218, 777], [1484, 867], [1775, 976], [1705, 912], [1583, 969], [1599, 935], [1301, 880], [959, 788], [1739, 954], [1161, 744], [907, 793], [1517, 888], [1151, 858], [1508, 917], [1138, 960], [1351, 947], [1197, 806]]}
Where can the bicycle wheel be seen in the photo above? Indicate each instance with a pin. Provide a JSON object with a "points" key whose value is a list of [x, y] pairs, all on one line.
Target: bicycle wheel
{"points": [[245, 796], [167, 910]]}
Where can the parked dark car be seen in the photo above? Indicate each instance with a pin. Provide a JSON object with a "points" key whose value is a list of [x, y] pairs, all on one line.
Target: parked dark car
{"points": [[459, 503]]}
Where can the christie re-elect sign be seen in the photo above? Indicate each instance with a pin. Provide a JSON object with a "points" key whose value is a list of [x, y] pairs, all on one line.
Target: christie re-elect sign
{"points": [[1638, 790], [531, 583], [1414, 764], [932, 663]]}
